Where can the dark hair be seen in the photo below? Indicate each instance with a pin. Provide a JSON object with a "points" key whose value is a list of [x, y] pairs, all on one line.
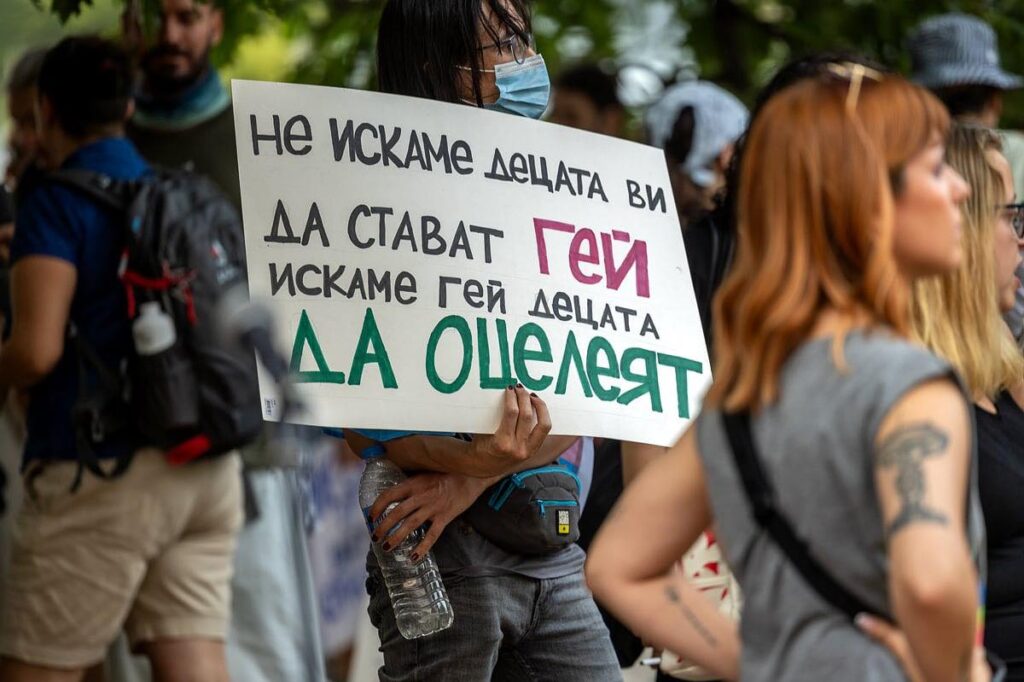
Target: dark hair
{"points": [[589, 79], [25, 73], [421, 43], [679, 143], [808, 66], [966, 100], [88, 81]]}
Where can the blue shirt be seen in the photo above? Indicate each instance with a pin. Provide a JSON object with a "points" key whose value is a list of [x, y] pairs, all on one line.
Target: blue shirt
{"points": [[61, 222]]}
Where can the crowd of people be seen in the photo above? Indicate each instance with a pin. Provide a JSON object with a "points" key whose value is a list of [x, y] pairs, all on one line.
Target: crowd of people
{"points": [[844, 507]]}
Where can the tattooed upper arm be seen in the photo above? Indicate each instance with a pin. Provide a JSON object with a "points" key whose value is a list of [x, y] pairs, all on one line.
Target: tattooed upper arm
{"points": [[905, 451]]}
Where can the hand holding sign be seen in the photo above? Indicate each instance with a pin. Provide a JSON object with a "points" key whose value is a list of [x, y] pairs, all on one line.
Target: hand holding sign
{"points": [[525, 424]]}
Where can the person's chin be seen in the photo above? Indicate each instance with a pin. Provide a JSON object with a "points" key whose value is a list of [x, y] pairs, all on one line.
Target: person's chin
{"points": [[170, 70], [1008, 301]]}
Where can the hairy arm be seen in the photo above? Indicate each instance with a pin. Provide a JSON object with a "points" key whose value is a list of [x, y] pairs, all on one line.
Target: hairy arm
{"points": [[922, 457], [41, 291], [520, 442], [630, 564], [452, 455]]}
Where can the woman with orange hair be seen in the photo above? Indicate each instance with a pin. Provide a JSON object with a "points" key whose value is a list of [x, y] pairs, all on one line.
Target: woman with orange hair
{"points": [[853, 444]]}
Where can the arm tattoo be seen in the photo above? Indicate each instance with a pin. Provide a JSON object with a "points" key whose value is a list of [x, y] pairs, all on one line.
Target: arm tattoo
{"points": [[691, 617], [905, 449]]}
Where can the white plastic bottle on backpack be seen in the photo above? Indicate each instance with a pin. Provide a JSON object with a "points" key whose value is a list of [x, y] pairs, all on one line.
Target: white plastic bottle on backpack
{"points": [[153, 330], [418, 597]]}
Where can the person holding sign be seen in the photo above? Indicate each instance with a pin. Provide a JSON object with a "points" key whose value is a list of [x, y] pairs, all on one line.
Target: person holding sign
{"points": [[517, 616], [859, 457]]}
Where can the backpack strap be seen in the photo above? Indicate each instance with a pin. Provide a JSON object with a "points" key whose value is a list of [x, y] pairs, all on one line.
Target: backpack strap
{"points": [[98, 186], [110, 385], [770, 518]]}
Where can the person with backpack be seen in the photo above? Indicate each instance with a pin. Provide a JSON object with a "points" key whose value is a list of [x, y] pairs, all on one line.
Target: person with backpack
{"points": [[149, 550], [833, 456]]}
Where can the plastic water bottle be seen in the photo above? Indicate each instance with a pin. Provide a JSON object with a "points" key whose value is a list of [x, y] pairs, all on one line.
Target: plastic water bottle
{"points": [[153, 330], [417, 594], [166, 401]]}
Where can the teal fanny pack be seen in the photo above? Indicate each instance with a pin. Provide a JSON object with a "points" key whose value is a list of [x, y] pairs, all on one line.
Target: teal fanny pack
{"points": [[536, 511]]}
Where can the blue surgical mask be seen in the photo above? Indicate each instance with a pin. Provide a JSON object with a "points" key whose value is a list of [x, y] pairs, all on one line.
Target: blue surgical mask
{"points": [[523, 89]]}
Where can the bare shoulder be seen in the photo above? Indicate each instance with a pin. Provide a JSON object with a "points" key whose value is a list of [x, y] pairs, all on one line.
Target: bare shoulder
{"points": [[935, 406]]}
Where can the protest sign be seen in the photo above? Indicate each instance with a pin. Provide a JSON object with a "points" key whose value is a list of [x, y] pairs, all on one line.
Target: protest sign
{"points": [[421, 256]]}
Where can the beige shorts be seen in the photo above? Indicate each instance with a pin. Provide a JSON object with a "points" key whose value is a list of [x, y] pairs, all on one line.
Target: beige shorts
{"points": [[151, 551]]}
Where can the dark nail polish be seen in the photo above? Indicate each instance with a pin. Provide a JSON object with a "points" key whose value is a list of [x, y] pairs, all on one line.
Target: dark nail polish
{"points": [[519, 385], [374, 538], [415, 557], [510, 387], [535, 395], [387, 546]]}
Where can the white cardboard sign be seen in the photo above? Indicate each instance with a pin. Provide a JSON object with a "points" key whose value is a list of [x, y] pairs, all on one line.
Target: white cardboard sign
{"points": [[421, 256]]}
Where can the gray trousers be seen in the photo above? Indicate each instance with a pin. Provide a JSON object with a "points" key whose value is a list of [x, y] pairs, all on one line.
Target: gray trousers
{"points": [[506, 628]]}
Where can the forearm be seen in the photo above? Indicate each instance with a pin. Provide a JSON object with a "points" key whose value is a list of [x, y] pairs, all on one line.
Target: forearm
{"points": [[631, 563], [443, 454], [939, 625], [670, 613], [549, 452], [17, 367]]}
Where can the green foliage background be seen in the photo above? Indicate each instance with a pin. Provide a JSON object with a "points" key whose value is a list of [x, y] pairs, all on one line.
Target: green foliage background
{"points": [[737, 43]]}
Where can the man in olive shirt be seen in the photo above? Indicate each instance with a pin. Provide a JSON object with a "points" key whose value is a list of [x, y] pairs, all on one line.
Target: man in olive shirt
{"points": [[183, 115]]}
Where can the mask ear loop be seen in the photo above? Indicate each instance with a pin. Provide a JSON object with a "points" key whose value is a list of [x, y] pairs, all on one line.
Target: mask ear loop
{"points": [[467, 68]]}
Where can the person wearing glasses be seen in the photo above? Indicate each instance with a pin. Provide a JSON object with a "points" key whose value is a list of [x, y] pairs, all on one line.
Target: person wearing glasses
{"points": [[866, 439], [958, 316], [517, 616], [957, 56]]}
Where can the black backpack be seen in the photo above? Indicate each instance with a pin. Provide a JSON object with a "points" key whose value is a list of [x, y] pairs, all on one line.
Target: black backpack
{"points": [[183, 249]]}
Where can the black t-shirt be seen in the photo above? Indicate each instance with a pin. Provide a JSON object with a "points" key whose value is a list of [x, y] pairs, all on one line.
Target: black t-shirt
{"points": [[1001, 482], [709, 252]]}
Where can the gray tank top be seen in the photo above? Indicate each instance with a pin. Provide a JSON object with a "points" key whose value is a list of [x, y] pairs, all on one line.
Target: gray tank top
{"points": [[816, 443]]}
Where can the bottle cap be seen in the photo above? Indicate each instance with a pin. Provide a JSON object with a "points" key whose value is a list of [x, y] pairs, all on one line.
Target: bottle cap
{"points": [[374, 451]]}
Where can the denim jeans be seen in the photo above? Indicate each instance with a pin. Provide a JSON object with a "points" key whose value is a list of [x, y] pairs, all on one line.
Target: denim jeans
{"points": [[506, 627]]}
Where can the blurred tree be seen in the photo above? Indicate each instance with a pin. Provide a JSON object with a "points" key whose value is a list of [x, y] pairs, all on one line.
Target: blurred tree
{"points": [[737, 43], [735, 37]]}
